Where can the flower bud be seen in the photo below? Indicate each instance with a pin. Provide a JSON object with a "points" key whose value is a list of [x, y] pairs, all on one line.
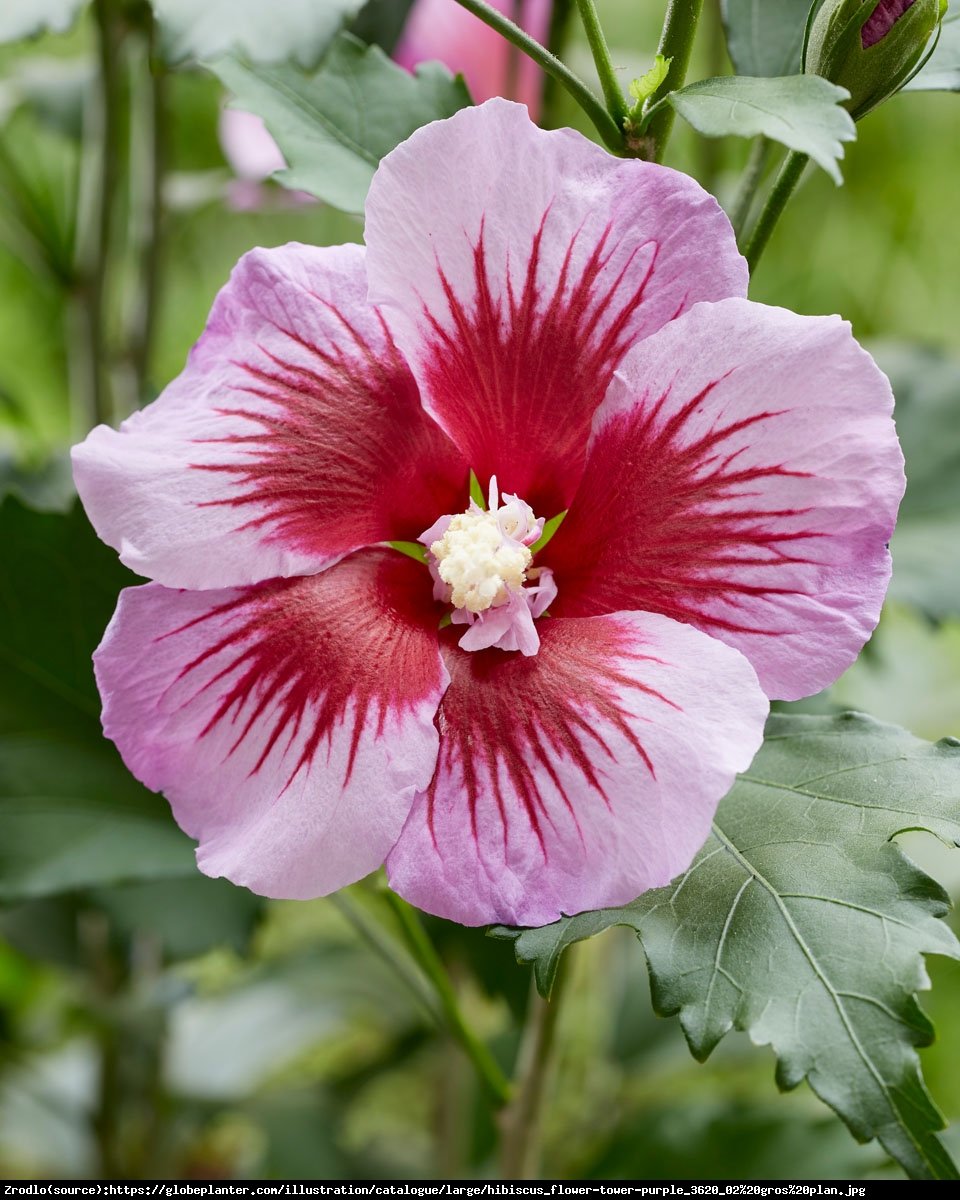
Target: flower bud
{"points": [[870, 47]]}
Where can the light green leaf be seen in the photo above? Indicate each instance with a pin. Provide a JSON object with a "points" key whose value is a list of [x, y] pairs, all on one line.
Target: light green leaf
{"points": [[801, 923], [643, 88], [942, 72], [24, 18], [71, 813], [278, 31], [331, 142], [800, 111], [926, 562], [765, 37]]}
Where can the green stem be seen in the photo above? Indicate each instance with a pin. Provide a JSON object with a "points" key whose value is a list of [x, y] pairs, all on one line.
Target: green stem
{"points": [[384, 946], [676, 43], [612, 92], [150, 226], [522, 1121], [749, 182], [710, 151], [591, 104], [560, 15], [787, 180], [430, 963], [106, 203]]}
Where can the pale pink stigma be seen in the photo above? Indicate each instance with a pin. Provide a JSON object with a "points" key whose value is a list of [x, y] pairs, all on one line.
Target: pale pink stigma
{"points": [[481, 564]]}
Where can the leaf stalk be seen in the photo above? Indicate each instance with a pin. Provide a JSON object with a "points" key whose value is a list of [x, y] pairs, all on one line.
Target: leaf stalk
{"points": [[676, 44], [612, 92], [430, 963], [783, 189], [591, 104]]}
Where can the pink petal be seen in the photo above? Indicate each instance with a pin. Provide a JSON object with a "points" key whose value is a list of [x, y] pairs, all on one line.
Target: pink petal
{"points": [[288, 724], [744, 475], [441, 29], [293, 436], [517, 266], [578, 778], [882, 20]]}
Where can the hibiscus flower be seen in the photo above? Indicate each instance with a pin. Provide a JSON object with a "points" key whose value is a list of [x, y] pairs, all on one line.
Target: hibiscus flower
{"points": [[344, 660]]}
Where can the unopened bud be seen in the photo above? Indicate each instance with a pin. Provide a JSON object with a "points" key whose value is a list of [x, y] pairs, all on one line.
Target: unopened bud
{"points": [[870, 47]]}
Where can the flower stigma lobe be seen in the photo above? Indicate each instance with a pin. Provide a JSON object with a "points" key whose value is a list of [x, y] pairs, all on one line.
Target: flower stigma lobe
{"points": [[481, 565]]}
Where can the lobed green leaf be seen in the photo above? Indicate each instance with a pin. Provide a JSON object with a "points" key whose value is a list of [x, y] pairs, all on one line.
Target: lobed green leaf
{"points": [[765, 38], [332, 142], [802, 924], [296, 30], [802, 112]]}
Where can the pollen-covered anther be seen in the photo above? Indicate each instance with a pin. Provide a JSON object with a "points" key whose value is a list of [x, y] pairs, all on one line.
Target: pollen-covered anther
{"points": [[480, 566], [480, 561]]}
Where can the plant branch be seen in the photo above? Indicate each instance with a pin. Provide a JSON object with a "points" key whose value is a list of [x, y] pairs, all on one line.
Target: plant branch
{"points": [[561, 13], [676, 43], [783, 189], [749, 182], [612, 92], [430, 963], [591, 104], [96, 268], [148, 232], [385, 948], [521, 1122]]}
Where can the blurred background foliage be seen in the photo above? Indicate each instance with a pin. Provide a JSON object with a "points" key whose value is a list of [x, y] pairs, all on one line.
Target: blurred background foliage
{"points": [[155, 1023]]}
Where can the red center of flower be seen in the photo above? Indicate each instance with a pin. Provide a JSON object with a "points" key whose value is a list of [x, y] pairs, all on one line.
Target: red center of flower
{"points": [[481, 563]]}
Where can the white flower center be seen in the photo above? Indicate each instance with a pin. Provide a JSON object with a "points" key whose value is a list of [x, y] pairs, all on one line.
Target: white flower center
{"points": [[479, 563]]}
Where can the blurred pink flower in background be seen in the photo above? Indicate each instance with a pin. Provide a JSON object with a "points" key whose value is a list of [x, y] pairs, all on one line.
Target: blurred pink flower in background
{"points": [[436, 30], [252, 153], [441, 29]]}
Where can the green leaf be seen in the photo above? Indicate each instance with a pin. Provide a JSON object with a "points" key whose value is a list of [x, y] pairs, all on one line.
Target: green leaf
{"points": [[926, 565], [331, 142], [71, 813], [300, 30], [801, 111], [942, 71], [765, 38], [649, 83], [801, 923], [24, 18]]}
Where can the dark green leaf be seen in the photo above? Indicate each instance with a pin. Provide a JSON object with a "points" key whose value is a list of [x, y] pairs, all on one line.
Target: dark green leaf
{"points": [[800, 111], [942, 72], [765, 38], [800, 923], [71, 814], [331, 142], [275, 32], [926, 564], [382, 21], [23, 18]]}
